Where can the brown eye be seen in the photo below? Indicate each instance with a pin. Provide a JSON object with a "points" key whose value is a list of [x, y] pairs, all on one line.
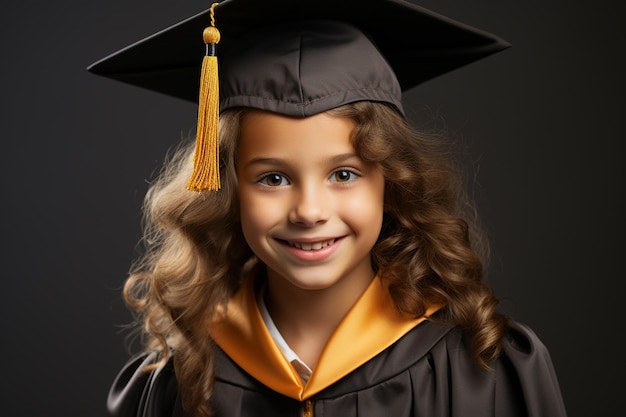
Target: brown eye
{"points": [[273, 180], [343, 175]]}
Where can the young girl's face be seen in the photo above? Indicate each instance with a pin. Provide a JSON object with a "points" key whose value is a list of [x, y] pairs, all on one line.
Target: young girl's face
{"points": [[311, 209]]}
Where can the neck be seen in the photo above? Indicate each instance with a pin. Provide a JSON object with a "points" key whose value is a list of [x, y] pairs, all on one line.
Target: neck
{"points": [[307, 318]]}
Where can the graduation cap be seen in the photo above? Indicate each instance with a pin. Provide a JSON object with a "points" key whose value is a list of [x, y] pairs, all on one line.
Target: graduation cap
{"points": [[296, 58]]}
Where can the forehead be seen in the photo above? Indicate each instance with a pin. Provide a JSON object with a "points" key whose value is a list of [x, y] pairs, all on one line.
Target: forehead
{"points": [[264, 134]]}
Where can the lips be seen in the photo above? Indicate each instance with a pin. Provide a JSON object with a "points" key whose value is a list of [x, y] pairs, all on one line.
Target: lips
{"points": [[311, 245]]}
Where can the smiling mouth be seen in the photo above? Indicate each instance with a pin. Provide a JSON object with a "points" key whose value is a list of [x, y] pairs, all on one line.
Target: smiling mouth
{"points": [[311, 246]]}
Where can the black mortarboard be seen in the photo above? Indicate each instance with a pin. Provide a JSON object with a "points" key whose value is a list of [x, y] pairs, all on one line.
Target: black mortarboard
{"points": [[301, 57]]}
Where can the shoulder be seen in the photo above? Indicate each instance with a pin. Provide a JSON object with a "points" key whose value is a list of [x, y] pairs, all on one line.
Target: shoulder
{"points": [[137, 392], [521, 340], [432, 368], [521, 382], [520, 343], [526, 370]]}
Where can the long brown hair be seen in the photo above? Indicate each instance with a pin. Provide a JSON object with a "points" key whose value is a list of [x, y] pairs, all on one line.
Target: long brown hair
{"points": [[431, 247], [429, 250]]}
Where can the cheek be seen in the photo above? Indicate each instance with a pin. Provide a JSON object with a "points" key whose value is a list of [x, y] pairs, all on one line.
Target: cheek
{"points": [[256, 218], [366, 211], [246, 215], [250, 218]]}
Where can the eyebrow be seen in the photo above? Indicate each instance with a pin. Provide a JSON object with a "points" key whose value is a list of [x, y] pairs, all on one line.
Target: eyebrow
{"points": [[282, 162]]}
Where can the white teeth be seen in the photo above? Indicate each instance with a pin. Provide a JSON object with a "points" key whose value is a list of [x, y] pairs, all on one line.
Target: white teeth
{"points": [[311, 246]]}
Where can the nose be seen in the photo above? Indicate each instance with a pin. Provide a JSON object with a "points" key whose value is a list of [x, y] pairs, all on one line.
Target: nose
{"points": [[311, 206]]}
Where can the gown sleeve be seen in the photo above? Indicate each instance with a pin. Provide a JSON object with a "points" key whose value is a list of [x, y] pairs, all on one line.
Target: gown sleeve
{"points": [[138, 393], [521, 383], [525, 376]]}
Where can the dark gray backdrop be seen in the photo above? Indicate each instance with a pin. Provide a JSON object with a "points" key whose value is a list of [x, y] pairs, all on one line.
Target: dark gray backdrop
{"points": [[543, 121]]}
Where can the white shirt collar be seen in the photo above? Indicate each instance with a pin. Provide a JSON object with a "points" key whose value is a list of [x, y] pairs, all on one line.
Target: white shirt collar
{"points": [[302, 368]]}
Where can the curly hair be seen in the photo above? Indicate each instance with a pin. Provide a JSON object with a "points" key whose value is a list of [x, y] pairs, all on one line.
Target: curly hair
{"points": [[429, 250]]}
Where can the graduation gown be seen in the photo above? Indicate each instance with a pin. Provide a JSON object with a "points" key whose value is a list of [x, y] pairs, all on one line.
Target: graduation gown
{"points": [[376, 364]]}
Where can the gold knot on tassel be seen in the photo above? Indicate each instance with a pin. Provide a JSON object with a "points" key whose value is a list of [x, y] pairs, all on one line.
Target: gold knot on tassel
{"points": [[206, 166]]}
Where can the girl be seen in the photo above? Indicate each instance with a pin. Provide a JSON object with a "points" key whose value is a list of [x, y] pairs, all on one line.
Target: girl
{"points": [[339, 269]]}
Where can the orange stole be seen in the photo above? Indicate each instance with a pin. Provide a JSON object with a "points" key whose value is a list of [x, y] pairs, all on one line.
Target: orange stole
{"points": [[372, 325]]}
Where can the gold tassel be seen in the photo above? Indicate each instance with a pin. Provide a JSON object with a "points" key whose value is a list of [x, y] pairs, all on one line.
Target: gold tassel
{"points": [[206, 166]]}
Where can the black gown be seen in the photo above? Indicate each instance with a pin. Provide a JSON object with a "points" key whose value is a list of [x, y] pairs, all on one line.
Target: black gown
{"points": [[426, 373]]}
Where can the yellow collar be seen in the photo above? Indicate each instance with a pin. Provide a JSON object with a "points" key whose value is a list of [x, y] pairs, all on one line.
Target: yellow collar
{"points": [[372, 325]]}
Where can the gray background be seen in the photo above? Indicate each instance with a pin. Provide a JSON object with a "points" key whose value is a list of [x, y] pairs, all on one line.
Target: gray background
{"points": [[543, 122]]}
